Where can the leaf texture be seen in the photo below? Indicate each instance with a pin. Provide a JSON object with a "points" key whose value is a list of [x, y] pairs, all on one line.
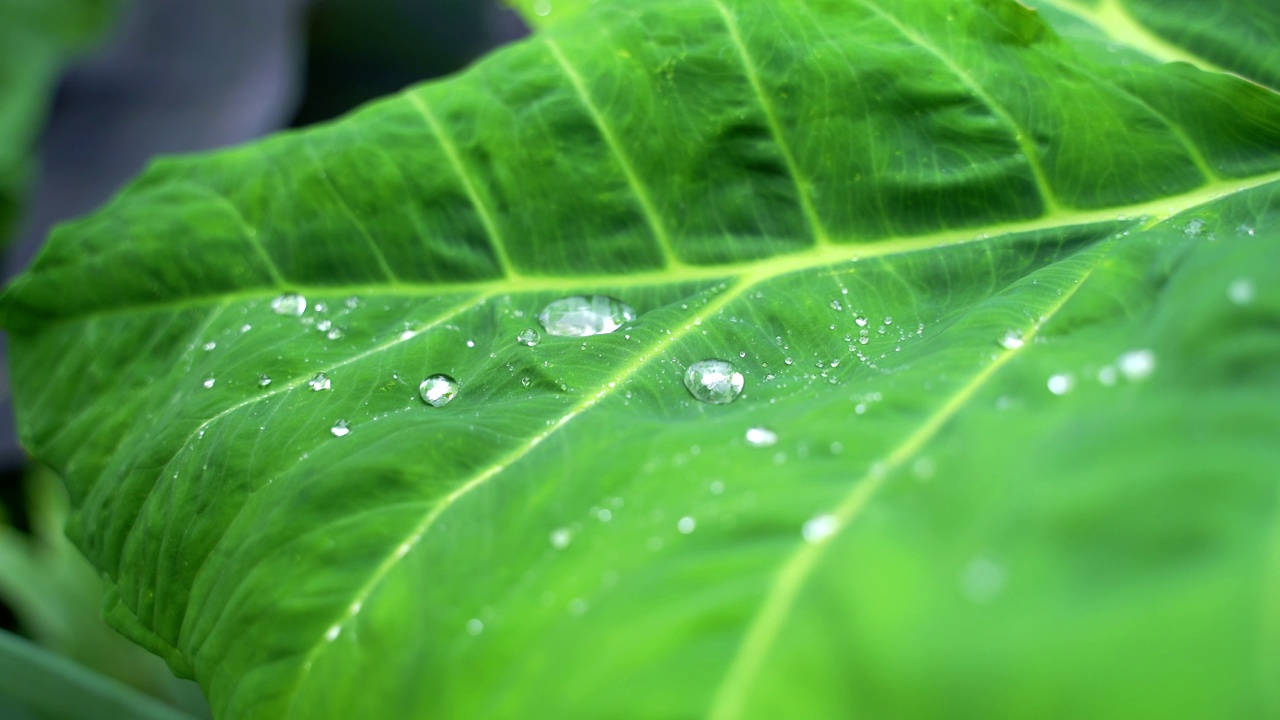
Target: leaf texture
{"points": [[1007, 299]]}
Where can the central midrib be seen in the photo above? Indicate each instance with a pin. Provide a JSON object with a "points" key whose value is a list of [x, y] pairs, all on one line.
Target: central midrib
{"points": [[810, 257]]}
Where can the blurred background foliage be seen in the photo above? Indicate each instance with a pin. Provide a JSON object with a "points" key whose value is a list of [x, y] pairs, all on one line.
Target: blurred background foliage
{"points": [[90, 92]]}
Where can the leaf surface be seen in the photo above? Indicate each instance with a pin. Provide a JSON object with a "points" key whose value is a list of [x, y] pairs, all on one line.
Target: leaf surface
{"points": [[1007, 300]]}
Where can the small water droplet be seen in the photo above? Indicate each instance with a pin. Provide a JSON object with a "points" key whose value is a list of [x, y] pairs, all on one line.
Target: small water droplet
{"points": [[982, 580], [324, 325], [561, 537], [819, 528], [1107, 375], [525, 381], [1241, 291], [1137, 364], [761, 437], [334, 334], [210, 345], [861, 321], [835, 305], [340, 428], [787, 361], [332, 633], [208, 383], [475, 626], [717, 487], [289, 304], [686, 525], [717, 382], [352, 302], [1012, 340], [319, 382], [604, 515], [1194, 227], [1060, 384], [438, 390], [888, 320], [584, 316], [245, 328], [264, 380], [529, 336], [471, 343], [1246, 230]]}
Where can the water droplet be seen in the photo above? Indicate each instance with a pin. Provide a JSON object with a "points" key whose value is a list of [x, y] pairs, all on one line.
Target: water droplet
{"points": [[819, 528], [717, 382], [210, 345], [561, 537], [352, 302], [861, 321], [717, 487], [686, 525], [340, 428], [332, 633], [1107, 375], [1241, 291], [888, 320], [604, 515], [1246, 230], [334, 334], [208, 383], [1060, 384], [324, 325], [761, 437], [245, 328], [319, 382], [577, 607], [787, 361], [525, 381], [529, 336], [289, 304], [264, 380], [982, 580], [1137, 364], [475, 626], [1012, 340], [438, 390], [835, 305], [542, 7], [583, 316], [1193, 228]]}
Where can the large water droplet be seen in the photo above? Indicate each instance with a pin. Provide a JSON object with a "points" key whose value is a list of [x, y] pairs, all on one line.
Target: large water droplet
{"points": [[717, 382], [289, 304], [1137, 364], [1012, 340], [761, 437], [561, 537], [438, 390], [340, 428], [529, 336], [1060, 384], [583, 316], [1241, 291], [319, 382], [819, 528]]}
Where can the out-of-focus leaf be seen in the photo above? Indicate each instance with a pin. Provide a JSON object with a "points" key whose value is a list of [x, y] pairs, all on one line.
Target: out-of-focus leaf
{"points": [[1005, 303]]}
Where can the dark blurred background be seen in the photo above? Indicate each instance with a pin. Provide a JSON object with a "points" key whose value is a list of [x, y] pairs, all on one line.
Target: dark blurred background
{"points": [[176, 76]]}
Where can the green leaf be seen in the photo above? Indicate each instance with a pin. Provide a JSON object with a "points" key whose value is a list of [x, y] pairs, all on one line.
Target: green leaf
{"points": [[37, 37], [1042, 487], [59, 688]]}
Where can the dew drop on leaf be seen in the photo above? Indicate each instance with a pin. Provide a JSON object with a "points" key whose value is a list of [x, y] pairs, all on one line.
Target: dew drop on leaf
{"points": [[819, 528], [716, 382], [560, 538], [1137, 364], [319, 382], [210, 346], [334, 334], [289, 304], [686, 525], [529, 337], [475, 626], [1241, 291], [1060, 384], [208, 383], [761, 437], [1012, 340], [583, 316], [340, 428], [438, 390]]}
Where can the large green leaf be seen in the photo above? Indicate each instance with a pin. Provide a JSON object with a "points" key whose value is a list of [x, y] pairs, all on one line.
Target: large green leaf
{"points": [[1043, 486], [37, 37]]}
